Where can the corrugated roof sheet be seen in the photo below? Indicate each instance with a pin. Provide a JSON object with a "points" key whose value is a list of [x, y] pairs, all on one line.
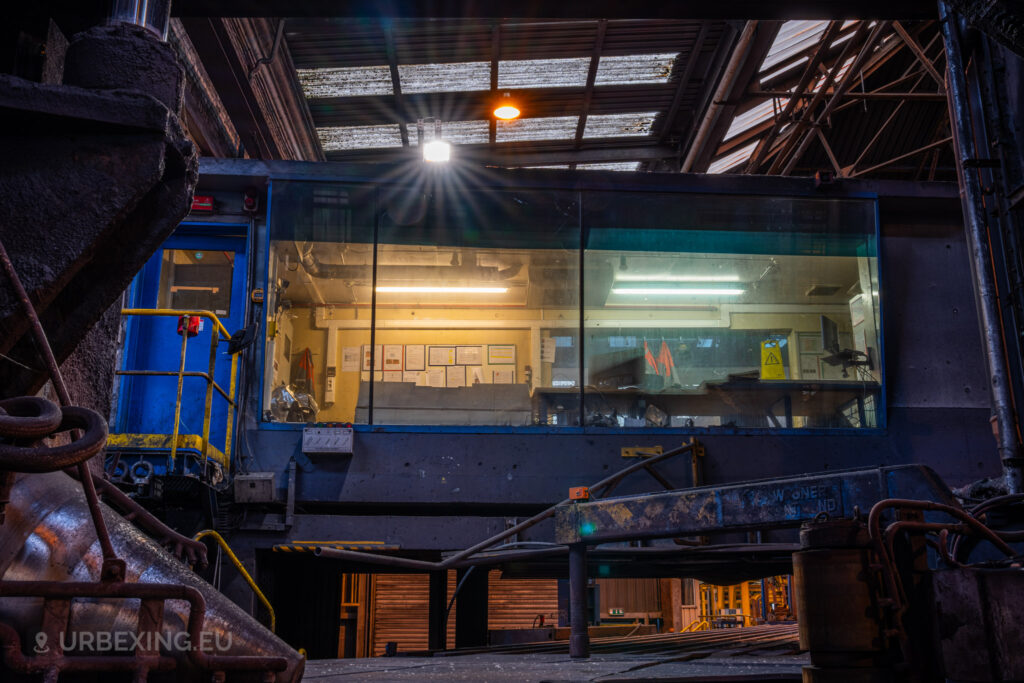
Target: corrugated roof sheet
{"points": [[733, 159], [360, 137], [542, 128], [465, 76], [627, 69], [345, 81], [456, 132], [619, 125], [543, 73], [794, 37]]}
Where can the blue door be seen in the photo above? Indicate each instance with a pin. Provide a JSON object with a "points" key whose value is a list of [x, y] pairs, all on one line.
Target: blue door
{"points": [[201, 267]]}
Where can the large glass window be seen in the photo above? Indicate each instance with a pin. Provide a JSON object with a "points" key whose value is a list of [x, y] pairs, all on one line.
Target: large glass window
{"points": [[432, 304], [712, 311], [477, 307], [319, 299]]}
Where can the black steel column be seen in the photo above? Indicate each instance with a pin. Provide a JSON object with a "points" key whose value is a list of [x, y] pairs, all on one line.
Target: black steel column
{"points": [[471, 608], [579, 640], [437, 607], [975, 225]]}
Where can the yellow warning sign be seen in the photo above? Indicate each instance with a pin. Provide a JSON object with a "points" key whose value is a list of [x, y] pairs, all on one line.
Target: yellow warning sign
{"points": [[771, 361]]}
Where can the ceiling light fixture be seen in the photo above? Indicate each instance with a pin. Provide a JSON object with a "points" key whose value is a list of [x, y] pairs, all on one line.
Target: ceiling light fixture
{"points": [[441, 290], [506, 109], [437, 150], [678, 291]]}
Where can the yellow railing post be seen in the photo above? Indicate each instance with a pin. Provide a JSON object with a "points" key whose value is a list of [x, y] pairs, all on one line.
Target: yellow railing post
{"points": [[208, 405], [216, 334], [231, 408], [177, 401]]}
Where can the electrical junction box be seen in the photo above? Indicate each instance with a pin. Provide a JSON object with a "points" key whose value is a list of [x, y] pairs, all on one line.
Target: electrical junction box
{"points": [[255, 487], [332, 440]]}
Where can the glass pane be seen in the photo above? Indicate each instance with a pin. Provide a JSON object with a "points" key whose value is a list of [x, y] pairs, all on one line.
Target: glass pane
{"points": [[193, 280], [725, 311], [477, 307], [318, 301]]}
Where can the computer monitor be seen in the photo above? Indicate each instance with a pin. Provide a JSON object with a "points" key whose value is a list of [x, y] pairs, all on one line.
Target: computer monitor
{"points": [[829, 335]]}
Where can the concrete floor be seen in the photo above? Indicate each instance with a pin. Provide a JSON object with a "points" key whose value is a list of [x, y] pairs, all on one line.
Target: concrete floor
{"points": [[760, 653], [550, 668]]}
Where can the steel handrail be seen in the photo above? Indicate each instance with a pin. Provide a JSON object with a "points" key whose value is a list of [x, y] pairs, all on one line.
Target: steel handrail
{"points": [[242, 570], [215, 338]]}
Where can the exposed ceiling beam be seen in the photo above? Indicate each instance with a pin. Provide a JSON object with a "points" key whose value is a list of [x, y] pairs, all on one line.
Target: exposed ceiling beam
{"points": [[517, 154], [566, 9], [720, 107], [809, 73], [396, 82], [588, 92], [684, 82]]}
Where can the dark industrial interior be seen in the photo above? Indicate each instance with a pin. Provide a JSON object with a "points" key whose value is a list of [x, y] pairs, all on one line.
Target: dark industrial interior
{"points": [[462, 341]]}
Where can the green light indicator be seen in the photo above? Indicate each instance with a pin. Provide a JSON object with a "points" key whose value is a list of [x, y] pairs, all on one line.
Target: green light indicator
{"points": [[587, 528]]}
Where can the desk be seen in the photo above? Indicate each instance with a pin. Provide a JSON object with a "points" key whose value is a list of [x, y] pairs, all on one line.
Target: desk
{"points": [[820, 401]]}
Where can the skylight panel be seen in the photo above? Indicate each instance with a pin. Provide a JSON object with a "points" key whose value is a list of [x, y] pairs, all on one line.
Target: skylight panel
{"points": [[540, 128], [754, 117], [733, 159], [619, 125], [610, 166], [456, 132], [794, 37], [459, 77], [635, 69], [359, 137], [543, 73], [345, 82]]}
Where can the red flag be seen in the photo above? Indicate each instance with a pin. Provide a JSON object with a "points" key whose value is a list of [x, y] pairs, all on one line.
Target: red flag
{"points": [[665, 359], [650, 358]]}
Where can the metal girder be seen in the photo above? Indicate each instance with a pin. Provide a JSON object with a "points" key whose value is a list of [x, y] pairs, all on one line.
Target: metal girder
{"points": [[266, 107], [569, 9], [516, 155], [768, 503]]}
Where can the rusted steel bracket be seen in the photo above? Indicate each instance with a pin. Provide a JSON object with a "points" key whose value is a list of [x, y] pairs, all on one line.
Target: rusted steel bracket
{"points": [[767, 503]]}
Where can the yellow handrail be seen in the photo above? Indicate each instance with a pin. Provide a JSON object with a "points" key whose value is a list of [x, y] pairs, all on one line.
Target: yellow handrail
{"points": [[210, 315], [215, 335], [241, 568], [700, 624]]}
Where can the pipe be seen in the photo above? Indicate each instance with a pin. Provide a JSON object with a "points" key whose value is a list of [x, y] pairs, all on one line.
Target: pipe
{"points": [[241, 570], [48, 538], [278, 37], [981, 260], [728, 82], [579, 637]]}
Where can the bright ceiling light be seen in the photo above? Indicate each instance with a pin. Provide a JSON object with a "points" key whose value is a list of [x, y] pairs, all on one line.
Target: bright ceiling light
{"points": [[507, 112], [678, 291], [437, 150], [677, 278], [442, 290]]}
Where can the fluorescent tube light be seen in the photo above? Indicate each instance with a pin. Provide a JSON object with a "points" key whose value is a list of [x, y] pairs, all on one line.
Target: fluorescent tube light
{"points": [[442, 290], [678, 291], [677, 278]]}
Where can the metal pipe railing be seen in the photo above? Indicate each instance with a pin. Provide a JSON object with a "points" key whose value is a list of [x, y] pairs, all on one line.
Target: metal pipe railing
{"points": [[241, 570], [976, 232], [218, 333]]}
